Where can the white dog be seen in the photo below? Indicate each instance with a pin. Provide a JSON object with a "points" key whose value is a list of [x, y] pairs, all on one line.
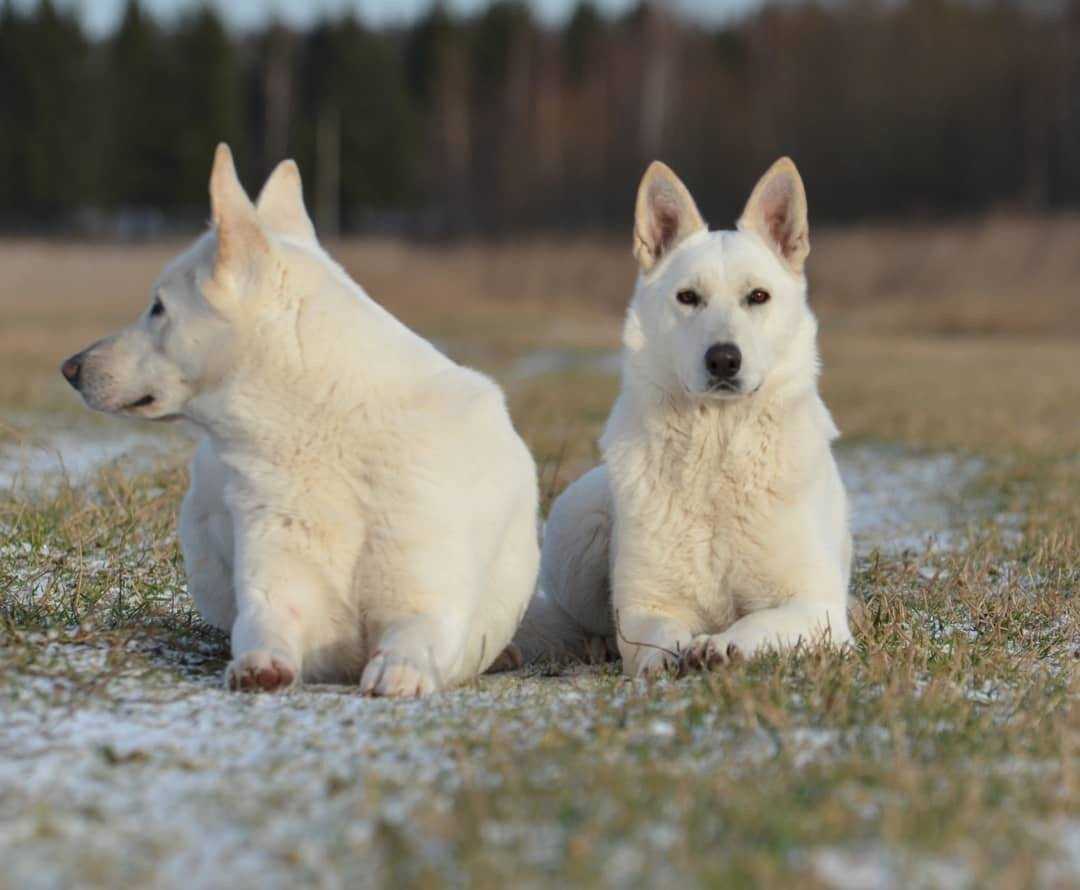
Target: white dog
{"points": [[717, 523], [361, 507]]}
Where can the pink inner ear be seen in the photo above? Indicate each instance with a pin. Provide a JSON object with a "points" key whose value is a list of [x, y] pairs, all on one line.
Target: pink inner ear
{"points": [[777, 202], [780, 229], [667, 228]]}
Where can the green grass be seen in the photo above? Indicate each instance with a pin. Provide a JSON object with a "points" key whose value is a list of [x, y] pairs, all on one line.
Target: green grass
{"points": [[946, 744]]}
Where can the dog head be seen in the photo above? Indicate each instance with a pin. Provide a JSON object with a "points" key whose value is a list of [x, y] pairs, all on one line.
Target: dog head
{"points": [[715, 314], [180, 347]]}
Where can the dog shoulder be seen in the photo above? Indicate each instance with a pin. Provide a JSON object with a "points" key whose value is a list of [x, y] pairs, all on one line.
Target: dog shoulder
{"points": [[459, 392], [465, 414]]}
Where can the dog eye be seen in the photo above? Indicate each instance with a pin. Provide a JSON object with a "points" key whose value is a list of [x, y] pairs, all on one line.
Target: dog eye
{"points": [[688, 298], [158, 308], [758, 296]]}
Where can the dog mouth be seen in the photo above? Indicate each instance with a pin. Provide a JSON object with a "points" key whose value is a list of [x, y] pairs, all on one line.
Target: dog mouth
{"points": [[145, 402], [727, 389], [725, 386]]}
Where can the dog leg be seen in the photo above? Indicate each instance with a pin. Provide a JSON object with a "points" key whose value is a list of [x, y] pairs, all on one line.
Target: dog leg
{"points": [[653, 621], [265, 654], [783, 627], [280, 598], [548, 632], [651, 644], [206, 539], [569, 617], [415, 656]]}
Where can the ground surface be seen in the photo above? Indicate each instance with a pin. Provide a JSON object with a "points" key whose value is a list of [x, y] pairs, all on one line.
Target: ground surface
{"points": [[943, 751]]}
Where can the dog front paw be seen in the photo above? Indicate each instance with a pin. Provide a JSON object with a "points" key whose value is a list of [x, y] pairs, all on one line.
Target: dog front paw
{"points": [[395, 676], [709, 651], [652, 663], [260, 670]]}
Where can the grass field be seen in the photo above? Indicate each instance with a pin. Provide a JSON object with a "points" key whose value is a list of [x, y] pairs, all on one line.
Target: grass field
{"points": [[943, 752]]}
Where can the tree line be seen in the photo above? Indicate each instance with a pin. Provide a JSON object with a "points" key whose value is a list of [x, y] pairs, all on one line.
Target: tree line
{"points": [[494, 122]]}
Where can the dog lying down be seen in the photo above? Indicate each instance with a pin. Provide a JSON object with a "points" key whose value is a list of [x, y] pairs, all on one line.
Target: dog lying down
{"points": [[717, 523], [361, 508]]}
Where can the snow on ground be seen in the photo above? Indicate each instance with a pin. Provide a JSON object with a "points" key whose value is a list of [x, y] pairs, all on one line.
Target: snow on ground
{"points": [[157, 778], [554, 361], [877, 867], [47, 452], [904, 500], [180, 783], [189, 778]]}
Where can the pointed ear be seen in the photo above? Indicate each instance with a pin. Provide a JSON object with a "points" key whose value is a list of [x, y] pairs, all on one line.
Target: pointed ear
{"points": [[665, 215], [240, 238], [776, 213], [281, 204]]}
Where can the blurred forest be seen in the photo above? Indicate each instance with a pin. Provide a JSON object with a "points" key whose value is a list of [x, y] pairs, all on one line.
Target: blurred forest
{"points": [[497, 123]]}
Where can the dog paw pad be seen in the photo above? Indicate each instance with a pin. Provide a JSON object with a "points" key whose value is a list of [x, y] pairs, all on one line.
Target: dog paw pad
{"points": [[260, 671], [709, 651], [395, 676]]}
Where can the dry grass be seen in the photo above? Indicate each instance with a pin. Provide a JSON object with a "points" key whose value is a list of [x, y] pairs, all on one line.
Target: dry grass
{"points": [[945, 751], [939, 302], [1000, 276]]}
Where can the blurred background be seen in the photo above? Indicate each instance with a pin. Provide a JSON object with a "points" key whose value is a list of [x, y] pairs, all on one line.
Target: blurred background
{"points": [[450, 119]]}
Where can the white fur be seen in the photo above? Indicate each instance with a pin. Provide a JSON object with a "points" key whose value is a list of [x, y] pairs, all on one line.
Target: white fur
{"points": [[726, 516], [361, 508]]}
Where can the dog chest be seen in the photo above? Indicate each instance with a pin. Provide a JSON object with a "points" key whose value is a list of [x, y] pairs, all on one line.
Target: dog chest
{"points": [[703, 519]]}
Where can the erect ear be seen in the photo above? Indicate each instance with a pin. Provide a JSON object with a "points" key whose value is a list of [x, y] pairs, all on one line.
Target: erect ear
{"points": [[241, 240], [281, 203], [665, 215], [776, 213]]}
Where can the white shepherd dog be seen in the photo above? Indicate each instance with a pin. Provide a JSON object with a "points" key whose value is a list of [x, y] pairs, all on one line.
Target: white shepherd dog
{"points": [[717, 524], [361, 507]]}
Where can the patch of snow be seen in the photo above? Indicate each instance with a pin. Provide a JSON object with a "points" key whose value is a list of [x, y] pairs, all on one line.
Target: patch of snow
{"points": [[44, 457], [850, 870], [878, 867], [902, 500], [543, 362]]}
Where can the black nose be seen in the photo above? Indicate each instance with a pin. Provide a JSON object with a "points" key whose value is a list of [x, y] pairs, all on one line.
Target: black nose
{"points": [[72, 369], [723, 360]]}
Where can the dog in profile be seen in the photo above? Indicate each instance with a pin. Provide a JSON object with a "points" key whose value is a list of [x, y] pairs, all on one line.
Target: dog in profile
{"points": [[717, 524], [361, 508]]}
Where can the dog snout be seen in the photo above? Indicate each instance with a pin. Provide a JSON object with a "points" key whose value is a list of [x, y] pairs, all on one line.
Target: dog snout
{"points": [[723, 361], [72, 369]]}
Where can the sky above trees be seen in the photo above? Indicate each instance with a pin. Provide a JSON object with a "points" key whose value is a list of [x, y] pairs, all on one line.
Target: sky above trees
{"points": [[102, 16]]}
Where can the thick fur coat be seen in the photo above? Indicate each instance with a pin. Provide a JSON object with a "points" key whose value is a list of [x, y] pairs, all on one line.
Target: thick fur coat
{"points": [[717, 523], [361, 508]]}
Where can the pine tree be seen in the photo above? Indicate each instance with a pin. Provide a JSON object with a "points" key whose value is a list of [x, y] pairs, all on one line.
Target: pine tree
{"points": [[142, 165], [45, 114], [210, 106], [358, 119], [437, 75], [502, 50], [581, 40]]}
